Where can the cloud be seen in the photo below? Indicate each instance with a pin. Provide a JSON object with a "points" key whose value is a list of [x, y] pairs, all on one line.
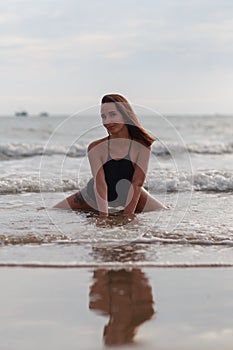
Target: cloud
{"points": [[218, 335], [6, 18]]}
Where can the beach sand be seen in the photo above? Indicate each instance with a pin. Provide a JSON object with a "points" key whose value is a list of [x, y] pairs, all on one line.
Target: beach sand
{"points": [[148, 308]]}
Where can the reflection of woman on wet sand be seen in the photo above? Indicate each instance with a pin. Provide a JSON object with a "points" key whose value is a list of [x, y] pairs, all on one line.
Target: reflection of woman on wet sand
{"points": [[126, 297]]}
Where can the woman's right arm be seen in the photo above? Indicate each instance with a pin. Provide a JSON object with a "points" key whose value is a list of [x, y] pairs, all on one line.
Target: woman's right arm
{"points": [[100, 188], [95, 150]]}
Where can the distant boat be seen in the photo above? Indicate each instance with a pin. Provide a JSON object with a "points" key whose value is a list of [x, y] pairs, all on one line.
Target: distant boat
{"points": [[43, 114], [21, 114]]}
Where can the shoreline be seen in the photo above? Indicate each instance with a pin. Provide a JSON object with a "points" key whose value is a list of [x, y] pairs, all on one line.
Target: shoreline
{"points": [[116, 265]]}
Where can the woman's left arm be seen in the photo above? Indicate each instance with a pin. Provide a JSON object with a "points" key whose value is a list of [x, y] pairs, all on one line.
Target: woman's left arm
{"points": [[140, 166]]}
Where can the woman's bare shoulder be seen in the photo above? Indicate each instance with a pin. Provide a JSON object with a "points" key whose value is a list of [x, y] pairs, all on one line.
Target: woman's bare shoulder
{"points": [[96, 143]]}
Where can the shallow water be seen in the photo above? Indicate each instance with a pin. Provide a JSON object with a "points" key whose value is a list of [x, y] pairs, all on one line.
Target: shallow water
{"points": [[167, 237], [44, 160]]}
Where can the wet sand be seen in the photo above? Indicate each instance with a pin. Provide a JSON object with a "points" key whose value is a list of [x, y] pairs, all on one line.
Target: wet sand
{"points": [[149, 308]]}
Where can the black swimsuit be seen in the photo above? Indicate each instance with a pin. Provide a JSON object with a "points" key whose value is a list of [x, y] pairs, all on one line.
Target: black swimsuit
{"points": [[118, 177]]}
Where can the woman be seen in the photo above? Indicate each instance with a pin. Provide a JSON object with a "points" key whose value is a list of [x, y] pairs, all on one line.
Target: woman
{"points": [[118, 163]]}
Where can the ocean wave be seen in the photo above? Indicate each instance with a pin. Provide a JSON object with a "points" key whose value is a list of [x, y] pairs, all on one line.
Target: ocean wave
{"points": [[159, 182], [23, 150], [160, 149], [219, 148], [16, 184], [209, 180]]}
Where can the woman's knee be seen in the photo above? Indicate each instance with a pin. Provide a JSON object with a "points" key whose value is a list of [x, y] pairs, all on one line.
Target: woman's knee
{"points": [[73, 202], [148, 203]]}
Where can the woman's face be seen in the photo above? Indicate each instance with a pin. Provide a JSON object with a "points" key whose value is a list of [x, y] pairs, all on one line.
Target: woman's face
{"points": [[112, 119]]}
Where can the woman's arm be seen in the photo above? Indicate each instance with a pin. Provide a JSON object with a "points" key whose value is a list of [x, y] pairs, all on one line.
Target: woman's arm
{"points": [[141, 166], [95, 156], [100, 188]]}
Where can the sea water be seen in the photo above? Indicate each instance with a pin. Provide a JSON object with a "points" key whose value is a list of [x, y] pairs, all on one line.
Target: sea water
{"points": [[44, 159]]}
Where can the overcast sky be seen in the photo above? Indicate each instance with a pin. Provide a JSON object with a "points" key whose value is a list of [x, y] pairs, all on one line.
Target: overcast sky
{"points": [[175, 56]]}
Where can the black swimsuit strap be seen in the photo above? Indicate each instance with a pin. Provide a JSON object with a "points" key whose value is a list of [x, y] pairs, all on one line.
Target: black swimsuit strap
{"points": [[127, 155]]}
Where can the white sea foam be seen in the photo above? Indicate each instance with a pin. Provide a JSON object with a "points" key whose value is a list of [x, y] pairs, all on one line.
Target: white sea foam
{"points": [[163, 181], [15, 184]]}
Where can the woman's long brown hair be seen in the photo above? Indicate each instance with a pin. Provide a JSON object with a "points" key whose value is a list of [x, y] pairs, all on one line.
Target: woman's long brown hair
{"points": [[136, 130]]}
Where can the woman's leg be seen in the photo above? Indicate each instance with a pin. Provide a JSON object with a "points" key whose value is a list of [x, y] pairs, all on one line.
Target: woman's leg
{"points": [[75, 202], [148, 203]]}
